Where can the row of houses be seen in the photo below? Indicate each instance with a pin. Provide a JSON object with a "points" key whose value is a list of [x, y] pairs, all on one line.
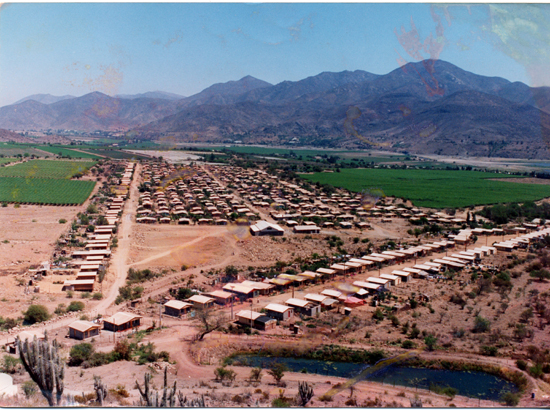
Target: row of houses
{"points": [[90, 261], [522, 241]]}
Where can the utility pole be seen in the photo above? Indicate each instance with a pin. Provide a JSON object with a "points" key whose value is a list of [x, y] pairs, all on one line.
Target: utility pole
{"points": [[232, 297], [160, 315], [251, 320]]}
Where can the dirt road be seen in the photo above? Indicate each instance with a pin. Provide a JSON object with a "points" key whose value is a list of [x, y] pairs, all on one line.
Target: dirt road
{"points": [[118, 266]]}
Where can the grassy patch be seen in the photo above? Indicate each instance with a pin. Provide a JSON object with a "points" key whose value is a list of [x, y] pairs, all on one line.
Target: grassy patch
{"points": [[48, 169], [435, 188], [65, 152], [44, 191]]}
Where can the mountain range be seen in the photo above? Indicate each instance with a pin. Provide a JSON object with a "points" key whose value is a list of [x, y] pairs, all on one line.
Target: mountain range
{"points": [[428, 107]]}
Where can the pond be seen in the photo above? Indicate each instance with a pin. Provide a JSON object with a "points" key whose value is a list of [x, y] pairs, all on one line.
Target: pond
{"points": [[471, 384]]}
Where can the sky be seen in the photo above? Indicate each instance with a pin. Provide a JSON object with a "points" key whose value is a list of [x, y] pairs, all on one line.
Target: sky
{"points": [[182, 48]]}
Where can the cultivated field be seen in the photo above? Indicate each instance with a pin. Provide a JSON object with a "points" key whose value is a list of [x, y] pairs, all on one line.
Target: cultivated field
{"points": [[65, 152], [435, 188], [44, 191], [51, 169]]}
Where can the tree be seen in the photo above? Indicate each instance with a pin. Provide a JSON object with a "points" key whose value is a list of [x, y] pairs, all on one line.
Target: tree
{"points": [[231, 272], [36, 314], [208, 322], [41, 360], [277, 371]]}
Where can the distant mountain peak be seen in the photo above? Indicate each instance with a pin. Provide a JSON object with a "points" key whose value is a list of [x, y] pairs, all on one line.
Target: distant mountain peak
{"points": [[45, 98]]}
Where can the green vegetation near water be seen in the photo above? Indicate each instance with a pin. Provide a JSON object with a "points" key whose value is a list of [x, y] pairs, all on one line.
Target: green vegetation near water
{"points": [[435, 188], [44, 191], [50, 169]]}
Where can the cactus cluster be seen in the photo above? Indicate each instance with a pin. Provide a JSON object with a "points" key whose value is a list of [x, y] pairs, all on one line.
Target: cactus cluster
{"points": [[305, 392], [100, 390], [41, 360], [151, 398]]}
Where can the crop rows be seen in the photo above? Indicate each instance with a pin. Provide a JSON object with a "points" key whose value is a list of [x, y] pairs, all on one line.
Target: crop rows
{"points": [[435, 188], [49, 169], [68, 152], [44, 191]]}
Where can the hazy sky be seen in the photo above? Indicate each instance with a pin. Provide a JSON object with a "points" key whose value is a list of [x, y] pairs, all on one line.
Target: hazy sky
{"points": [[125, 48]]}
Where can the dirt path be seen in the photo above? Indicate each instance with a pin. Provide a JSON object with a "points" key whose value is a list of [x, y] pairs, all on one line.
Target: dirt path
{"points": [[168, 252], [119, 261]]}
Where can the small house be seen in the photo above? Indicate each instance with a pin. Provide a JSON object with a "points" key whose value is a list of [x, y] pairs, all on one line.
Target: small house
{"points": [[201, 302], [255, 320], [221, 297], [122, 321], [304, 307], [264, 228], [279, 312], [177, 308], [83, 329]]}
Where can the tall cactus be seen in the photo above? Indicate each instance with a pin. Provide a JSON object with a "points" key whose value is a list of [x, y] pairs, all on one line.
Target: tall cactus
{"points": [[100, 390], [196, 402], [150, 398], [305, 392], [41, 360]]}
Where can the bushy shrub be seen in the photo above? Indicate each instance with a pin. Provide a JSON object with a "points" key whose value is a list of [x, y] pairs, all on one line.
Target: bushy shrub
{"points": [[80, 353], [75, 306], [36, 314], [521, 364], [481, 324]]}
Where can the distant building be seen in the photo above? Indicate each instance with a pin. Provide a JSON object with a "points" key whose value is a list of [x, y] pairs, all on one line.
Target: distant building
{"points": [[264, 228]]}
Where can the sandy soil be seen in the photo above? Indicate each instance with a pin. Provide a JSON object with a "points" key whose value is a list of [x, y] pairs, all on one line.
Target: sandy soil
{"points": [[168, 155], [524, 180], [29, 232]]}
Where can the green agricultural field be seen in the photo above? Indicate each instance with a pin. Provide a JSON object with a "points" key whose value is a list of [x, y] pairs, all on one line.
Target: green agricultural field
{"points": [[50, 169], [7, 160], [435, 188], [58, 150], [44, 191], [8, 149]]}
